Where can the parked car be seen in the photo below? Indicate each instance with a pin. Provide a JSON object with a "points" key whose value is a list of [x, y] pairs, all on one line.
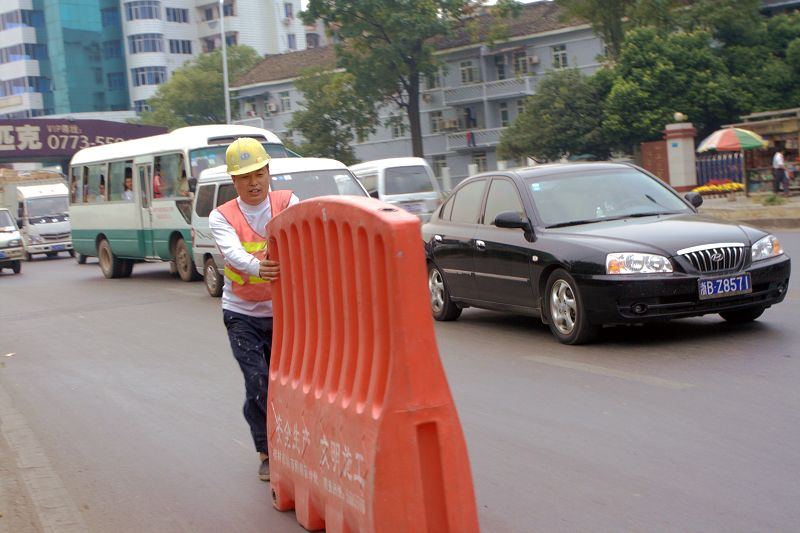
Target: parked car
{"points": [[407, 182], [585, 245], [307, 177]]}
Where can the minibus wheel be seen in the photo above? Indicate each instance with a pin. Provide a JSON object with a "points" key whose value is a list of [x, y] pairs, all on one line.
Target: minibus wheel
{"points": [[184, 263]]}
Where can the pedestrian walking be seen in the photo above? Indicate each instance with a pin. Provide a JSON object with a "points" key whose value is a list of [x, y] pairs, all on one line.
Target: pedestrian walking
{"points": [[239, 229], [779, 176]]}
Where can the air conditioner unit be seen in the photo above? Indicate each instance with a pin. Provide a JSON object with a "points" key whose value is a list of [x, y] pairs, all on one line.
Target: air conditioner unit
{"points": [[451, 124], [287, 21], [533, 60], [427, 97]]}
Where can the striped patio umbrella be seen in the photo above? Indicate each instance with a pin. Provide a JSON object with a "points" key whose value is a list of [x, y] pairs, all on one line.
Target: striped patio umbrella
{"points": [[732, 140]]}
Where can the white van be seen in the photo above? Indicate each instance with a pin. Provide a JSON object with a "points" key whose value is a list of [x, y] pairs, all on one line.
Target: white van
{"points": [[407, 182], [306, 177]]}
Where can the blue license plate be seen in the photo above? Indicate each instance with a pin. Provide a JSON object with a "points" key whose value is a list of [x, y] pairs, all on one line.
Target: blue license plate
{"points": [[58, 247], [2, 254], [724, 286]]}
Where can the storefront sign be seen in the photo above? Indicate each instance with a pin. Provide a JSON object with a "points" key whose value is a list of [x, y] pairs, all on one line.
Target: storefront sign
{"points": [[30, 139]]}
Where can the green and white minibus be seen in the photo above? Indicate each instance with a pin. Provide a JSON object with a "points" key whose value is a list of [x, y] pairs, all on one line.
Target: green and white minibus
{"points": [[131, 201]]}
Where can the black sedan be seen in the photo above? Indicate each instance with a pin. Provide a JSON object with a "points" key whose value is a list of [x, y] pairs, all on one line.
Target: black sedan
{"points": [[585, 245]]}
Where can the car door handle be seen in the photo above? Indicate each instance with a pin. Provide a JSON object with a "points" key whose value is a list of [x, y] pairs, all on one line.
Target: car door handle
{"points": [[437, 238], [480, 245]]}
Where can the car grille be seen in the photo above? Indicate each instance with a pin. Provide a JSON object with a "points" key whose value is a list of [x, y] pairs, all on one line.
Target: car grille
{"points": [[716, 259], [51, 237]]}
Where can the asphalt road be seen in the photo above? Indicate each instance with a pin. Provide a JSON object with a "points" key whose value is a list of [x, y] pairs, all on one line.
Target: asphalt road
{"points": [[120, 410]]}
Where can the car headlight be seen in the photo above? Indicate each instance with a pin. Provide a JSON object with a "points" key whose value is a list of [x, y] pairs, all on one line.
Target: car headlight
{"points": [[35, 239], [633, 263], [13, 242], [766, 247]]}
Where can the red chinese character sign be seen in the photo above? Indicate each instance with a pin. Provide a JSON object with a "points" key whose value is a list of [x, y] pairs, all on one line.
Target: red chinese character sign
{"points": [[34, 139]]}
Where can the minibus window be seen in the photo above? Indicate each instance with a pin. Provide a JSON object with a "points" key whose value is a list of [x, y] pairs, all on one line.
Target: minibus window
{"points": [[405, 180]]}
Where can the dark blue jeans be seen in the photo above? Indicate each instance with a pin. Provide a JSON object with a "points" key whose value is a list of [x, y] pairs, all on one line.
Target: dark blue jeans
{"points": [[251, 342]]}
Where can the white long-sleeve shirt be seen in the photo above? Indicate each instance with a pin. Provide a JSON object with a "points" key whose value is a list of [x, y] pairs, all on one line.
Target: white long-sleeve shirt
{"points": [[230, 245]]}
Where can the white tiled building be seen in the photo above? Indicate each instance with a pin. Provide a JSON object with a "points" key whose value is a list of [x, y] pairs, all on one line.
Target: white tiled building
{"points": [[73, 56]]}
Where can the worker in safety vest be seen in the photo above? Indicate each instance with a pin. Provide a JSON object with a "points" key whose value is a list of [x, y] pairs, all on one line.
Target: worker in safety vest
{"points": [[239, 229]]}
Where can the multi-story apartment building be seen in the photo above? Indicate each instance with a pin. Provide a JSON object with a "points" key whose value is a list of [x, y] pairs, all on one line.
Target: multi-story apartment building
{"points": [[478, 92], [70, 56]]}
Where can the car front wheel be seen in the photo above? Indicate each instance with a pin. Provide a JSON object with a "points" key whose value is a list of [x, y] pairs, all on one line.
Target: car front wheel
{"points": [[442, 306], [742, 316], [214, 281], [566, 312]]}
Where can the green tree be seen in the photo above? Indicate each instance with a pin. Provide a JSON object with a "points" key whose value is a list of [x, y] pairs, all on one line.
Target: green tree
{"points": [[333, 114], [387, 45], [194, 93], [657, 76], [605, 16], [562, 118]]}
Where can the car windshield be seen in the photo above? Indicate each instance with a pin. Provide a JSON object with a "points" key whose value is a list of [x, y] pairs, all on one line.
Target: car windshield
{"points": [[313, 183], [597, 195], [405, 180], [212, 156], [44, 207], [5, 220]]}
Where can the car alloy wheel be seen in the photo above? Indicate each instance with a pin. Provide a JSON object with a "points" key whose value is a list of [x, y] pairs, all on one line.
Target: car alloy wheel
{"points": [[568, 321], [563, 308], [442, 307], [212, 278]]}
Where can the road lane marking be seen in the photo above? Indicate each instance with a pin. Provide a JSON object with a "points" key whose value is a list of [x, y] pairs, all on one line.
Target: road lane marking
{"points": [[610, 372], [54, 508]]}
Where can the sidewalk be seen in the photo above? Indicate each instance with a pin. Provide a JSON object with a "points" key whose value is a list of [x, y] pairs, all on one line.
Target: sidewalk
{"points": [[749, 210]]}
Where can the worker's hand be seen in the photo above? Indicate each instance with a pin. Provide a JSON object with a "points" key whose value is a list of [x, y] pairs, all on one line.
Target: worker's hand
{"points": [[269, 270]]}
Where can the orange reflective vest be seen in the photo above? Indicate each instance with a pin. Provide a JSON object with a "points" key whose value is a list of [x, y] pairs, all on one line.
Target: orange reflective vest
{"points": [[246, 287]]}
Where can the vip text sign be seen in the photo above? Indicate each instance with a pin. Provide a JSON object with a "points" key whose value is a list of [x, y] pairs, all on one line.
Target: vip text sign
{"points": [[32, 139]]}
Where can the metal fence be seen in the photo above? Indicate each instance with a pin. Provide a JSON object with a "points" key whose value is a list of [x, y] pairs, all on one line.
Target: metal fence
{"points": [[720, 166]]}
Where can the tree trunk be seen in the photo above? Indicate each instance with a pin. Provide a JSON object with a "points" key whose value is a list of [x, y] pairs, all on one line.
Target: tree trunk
{"points": [[413, 115]]}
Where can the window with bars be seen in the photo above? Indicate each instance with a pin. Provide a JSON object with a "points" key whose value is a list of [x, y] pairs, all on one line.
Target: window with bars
{"points": [[145, 42], [520, 63], [500, 66], [175, 14], [292, 41], [285, 100], [141, 106], [479, 158], [148, 76], [560, 56], [504, 120], [143, 10], [288, 10], [468, 74], [437, 121], [180, 46]]}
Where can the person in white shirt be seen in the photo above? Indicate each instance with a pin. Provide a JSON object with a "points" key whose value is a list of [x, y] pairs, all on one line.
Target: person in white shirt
{"points": [[239, 230], [127, 193], [779, 176]]}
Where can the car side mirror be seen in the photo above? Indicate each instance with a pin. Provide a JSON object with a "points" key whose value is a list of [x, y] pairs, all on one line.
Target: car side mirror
{"points": [[512, 219], [192, 184], [375, 194], [694, 198]]}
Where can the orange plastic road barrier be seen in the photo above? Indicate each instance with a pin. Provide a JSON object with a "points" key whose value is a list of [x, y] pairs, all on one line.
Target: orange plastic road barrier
{"points": [[363, 432]]}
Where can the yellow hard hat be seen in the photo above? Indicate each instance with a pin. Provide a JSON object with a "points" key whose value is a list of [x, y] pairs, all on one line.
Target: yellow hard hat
{"points": [[245, 155]]}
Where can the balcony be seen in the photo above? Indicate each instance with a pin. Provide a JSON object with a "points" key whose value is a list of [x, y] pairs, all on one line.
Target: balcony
{"points": [[490, 90], [480, 139]]}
